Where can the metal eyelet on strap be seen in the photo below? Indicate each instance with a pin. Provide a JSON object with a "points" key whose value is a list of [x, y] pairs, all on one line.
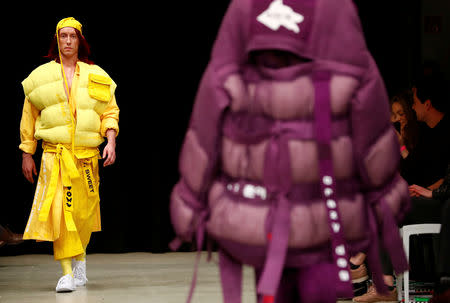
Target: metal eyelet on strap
{"points": [[328, 191], [342, 263], [333, 215], [331, 204], [261, 192], [327, 180], [336, 227], [249, 191], [340, 250], [236, 187], [344, 276]]}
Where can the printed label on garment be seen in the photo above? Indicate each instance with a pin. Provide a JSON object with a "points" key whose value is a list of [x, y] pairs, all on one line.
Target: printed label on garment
{"points": [[68, 198], [279, 14]]}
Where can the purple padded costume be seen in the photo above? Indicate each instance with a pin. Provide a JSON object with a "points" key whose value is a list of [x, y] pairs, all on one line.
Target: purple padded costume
{"points": [[292, 169]]}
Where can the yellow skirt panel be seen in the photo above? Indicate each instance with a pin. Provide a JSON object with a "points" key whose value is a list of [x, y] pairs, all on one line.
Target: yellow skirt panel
{"points": [[66, 206]]}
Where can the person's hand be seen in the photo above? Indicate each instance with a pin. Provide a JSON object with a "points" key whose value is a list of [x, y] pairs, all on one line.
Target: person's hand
{"points": [[28, 167], [417, 191], [109, 152], [399, 137], [403, 151]]}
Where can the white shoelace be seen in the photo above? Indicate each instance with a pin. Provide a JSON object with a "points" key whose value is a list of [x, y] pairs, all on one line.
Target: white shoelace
{"points": [[79, 271]]}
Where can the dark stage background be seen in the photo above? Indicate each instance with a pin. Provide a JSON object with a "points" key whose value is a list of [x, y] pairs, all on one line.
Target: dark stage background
{"points": [[156, 54]]}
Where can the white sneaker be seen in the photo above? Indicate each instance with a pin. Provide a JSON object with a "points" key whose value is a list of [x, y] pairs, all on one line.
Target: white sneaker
{"points": [[79, 273], [66, 284]]}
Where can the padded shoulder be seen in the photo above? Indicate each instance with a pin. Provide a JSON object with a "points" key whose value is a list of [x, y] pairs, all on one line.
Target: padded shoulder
{"points": [[45, 73]]}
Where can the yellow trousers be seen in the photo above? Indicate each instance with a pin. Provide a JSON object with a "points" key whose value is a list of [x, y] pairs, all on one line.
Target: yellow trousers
{"points": [[66, 203]]}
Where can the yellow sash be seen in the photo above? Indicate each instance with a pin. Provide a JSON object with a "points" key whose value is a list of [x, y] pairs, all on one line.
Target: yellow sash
{"points": [[65, 165]]}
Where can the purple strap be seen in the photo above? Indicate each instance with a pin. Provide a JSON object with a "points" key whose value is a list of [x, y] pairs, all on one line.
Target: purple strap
{"points": [[391, 239], [373, 252], [202, 214], [304, 193], [231, 278], [392, 243], [194, 276], [323, 127], [199, 227], [278, 181], [247, 128], [200, 235], [386, 229], [277, 249]]}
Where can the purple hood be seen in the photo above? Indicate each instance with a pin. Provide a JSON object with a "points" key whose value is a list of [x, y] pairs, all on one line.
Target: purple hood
{"points": [[330, 31]]}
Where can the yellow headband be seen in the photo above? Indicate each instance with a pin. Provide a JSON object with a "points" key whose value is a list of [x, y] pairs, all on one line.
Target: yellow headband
{"points": [[69, 22]]}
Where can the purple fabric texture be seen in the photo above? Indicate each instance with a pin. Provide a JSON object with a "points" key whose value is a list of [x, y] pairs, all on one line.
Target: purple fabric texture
{"points": [[294, 168]]}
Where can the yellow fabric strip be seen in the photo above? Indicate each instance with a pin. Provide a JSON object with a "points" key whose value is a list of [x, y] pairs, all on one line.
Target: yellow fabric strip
{"points": [[89, 178], [43, 214], [67, 89], [68, 209], [65, 165], [80, 152]]}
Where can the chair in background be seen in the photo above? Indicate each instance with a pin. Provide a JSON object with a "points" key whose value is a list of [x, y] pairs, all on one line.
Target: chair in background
{"points": [[406, 231]]}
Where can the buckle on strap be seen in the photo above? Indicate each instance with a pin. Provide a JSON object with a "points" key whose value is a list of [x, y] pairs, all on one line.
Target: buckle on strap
{"points": [[248, 191], [251, 191]]}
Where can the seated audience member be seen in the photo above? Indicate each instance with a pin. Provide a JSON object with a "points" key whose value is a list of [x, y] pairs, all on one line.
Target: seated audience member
{"points": [[433, 206], [425, 165], [427, 206], [405, 121]]}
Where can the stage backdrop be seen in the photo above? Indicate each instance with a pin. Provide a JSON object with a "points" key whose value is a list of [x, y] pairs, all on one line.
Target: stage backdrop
{"points": [[156, 55]]}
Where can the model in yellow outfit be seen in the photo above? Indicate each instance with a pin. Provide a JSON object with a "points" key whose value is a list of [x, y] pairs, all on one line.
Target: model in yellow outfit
{"points": [[70, 105]]}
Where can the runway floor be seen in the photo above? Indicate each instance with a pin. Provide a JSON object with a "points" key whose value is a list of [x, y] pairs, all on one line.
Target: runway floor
{"points": [[124, 278]]}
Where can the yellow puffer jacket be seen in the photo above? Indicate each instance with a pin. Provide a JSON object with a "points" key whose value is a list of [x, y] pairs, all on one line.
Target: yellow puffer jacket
{"points": [[44, 88]]}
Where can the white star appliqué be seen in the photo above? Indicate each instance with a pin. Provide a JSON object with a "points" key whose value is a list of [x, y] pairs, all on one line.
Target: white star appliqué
{"points": [[278, 15]]}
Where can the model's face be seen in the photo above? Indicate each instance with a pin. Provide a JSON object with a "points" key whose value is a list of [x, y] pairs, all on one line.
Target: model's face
{"points": [[398, 114], [419, 107], [68, 42]]}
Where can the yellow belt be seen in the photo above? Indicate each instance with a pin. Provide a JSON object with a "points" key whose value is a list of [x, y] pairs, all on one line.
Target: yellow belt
{"points": [[64, 164]]}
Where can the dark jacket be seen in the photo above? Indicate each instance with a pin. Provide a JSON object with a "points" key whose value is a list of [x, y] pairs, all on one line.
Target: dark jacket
{"points": [[443, 192]]}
